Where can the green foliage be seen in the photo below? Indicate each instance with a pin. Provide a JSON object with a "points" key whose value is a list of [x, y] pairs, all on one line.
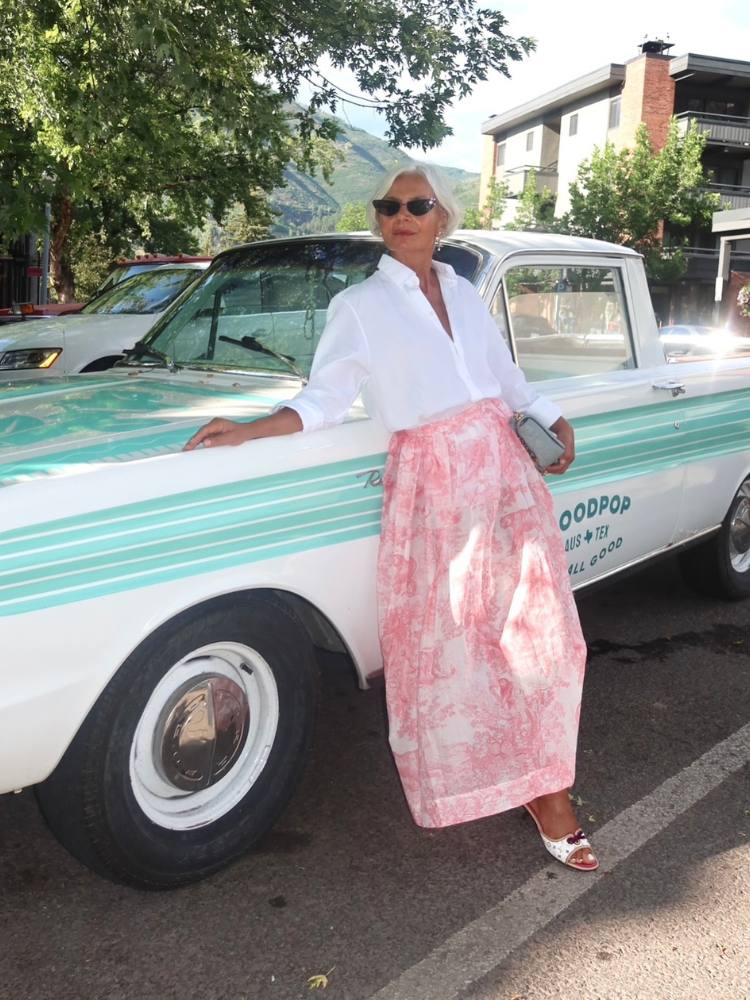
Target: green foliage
{"points": [[493, 208], [536, 209], [137, 111], [237, 227], [626, 196], [743, 300], [93, 258], [353, 217]]}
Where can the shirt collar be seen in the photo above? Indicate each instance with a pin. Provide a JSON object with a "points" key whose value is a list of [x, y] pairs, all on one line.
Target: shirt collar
{"points": [[402, 275]]}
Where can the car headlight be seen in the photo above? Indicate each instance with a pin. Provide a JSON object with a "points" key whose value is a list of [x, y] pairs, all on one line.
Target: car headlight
{"points": [[30, 357]]}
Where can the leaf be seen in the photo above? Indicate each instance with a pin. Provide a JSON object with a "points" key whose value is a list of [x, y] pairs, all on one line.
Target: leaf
{"points": [[320, 981]]}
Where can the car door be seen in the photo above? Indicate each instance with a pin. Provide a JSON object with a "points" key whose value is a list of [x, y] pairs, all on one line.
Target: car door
{"points": [[582, 329]]}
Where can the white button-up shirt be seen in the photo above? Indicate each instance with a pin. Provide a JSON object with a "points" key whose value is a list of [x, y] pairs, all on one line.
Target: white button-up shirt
{"points": [[383, 339]]}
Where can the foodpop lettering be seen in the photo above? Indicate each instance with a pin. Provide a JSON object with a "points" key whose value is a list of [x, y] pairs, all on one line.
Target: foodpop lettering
{"points": [[584, 510]]}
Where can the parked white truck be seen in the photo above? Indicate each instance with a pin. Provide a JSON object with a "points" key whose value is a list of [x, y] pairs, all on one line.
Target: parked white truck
{"points": [[159, 610]]}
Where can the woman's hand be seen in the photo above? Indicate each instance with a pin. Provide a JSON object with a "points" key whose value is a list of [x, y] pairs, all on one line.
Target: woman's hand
{"points": [[566, 434], [219, 432]]}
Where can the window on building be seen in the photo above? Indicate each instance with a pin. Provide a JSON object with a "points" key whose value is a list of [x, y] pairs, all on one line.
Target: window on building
{"points": [[573, 125], [614, 112], [714, 105], [722, 107], [500, 154], [529, 141], [567, 320]]}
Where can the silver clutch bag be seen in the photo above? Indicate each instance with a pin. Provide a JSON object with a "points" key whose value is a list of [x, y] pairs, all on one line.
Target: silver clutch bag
{"points": [[544, 447]]}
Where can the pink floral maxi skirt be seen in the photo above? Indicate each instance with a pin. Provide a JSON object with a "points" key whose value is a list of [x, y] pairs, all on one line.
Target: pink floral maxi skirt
{"points": [[483, 652]]}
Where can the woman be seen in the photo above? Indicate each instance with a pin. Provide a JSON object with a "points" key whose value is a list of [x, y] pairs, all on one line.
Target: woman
{"points": [[481, 643]]}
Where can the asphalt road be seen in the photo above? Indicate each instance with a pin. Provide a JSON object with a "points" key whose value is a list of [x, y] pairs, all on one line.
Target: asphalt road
{"points": [[347, 886]]}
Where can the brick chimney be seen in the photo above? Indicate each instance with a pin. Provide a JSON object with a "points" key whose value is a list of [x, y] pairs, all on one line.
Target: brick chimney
{"points": [[647, 96]]}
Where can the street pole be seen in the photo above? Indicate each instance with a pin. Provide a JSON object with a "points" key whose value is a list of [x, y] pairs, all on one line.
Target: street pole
{"points": [[45, 256]]}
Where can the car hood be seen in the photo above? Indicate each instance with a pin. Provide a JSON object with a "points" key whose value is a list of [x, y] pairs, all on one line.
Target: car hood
{"points": [[64, 426], [53, 332]]}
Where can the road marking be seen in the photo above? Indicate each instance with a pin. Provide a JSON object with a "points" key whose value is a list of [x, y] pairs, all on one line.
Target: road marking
{"points": [[480, 946]]}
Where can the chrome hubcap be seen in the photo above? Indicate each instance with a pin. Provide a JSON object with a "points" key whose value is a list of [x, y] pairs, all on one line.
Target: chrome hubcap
{"points": [[204, 736], [203, 733], [739, 532]]}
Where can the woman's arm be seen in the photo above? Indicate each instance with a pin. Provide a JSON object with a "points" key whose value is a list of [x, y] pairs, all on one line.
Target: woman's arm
{"points": [[519, 395], [339, 368], [227, 432]]}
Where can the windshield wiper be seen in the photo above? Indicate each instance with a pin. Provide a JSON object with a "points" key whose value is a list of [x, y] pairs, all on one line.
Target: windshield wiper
{"points": [[251, 344], [141, 350]]}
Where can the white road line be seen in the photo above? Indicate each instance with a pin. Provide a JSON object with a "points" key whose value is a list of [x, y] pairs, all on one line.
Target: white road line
{"points": [[480, 946]]}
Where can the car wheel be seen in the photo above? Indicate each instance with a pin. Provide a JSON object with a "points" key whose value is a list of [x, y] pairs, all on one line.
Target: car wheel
{"points": [[192, 750], [720, 567]]}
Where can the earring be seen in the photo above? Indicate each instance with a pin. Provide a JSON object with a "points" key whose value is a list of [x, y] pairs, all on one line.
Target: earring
{"points": [[439, 240]]}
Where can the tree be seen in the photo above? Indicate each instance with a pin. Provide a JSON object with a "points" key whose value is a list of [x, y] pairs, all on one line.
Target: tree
{"points": [[536, 209], [236, 228], [627, 196], [493, 208], [353, 217], [126, 113]]}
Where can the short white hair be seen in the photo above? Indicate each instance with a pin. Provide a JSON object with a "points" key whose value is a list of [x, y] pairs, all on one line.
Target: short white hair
{"points": [[437, 181]]}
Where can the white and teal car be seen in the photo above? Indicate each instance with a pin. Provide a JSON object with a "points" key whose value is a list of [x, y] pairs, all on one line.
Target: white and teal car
{"points": [[159, 609]]}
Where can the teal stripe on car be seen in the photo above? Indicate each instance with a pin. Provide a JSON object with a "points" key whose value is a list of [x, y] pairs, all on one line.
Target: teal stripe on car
{"points": [[218, 527], [636, 442], [171, 537]]}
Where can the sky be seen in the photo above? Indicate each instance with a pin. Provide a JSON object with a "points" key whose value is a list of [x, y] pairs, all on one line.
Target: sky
{"points": [[573, 39]]}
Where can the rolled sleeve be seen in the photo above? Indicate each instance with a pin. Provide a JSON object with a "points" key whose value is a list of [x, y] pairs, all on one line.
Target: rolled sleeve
{"points": [[544, 410], [340, 368], [515, 389]]}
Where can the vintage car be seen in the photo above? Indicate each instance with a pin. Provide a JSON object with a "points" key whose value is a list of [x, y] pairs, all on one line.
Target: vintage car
{"points": [[94, 338], [160, 608]]}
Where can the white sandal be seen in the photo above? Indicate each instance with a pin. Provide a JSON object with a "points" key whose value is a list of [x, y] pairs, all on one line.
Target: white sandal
{"points": [[565, 847]]}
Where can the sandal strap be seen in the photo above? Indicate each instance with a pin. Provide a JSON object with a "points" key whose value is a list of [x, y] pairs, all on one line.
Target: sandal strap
{"points": [[564, 848]]}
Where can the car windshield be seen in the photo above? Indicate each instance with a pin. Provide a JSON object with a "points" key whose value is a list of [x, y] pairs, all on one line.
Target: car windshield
{"points": [[123, 271], [149, 292], [263, 307]]}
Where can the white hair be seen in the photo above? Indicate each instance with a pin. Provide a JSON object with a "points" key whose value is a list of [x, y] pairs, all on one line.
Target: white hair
{"points": [[437, 181]]}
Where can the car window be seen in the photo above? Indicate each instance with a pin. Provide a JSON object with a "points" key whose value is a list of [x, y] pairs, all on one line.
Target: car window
{"points": [[264, 306], [123, 272], [497, 310], [464, 262], [567, 321], [149, 292]]}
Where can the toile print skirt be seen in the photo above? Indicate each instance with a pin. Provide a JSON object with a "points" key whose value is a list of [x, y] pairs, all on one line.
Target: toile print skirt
{"points": [[482, 647]]}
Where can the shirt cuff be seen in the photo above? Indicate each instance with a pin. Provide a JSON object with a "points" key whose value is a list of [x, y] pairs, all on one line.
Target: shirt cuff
{"points": [[544, 410], [311, 417]]}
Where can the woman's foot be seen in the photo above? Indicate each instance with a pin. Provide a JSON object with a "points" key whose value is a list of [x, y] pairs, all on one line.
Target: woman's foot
{"points": [[557, 823]]}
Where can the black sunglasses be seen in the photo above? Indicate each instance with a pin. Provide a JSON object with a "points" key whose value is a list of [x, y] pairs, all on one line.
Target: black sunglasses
{"points": [[414, 206]]}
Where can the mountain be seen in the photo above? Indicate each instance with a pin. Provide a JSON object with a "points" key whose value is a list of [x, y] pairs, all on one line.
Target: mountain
{"points": [[309, 204]]}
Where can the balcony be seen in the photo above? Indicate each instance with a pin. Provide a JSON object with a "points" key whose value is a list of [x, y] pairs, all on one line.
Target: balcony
{"points": [[732, 195], [722, 130], [516, 177], [703, 263]]}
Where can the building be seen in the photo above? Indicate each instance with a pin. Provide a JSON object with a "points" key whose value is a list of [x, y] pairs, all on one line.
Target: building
{"points": [[18, 273], [555, 132]]}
